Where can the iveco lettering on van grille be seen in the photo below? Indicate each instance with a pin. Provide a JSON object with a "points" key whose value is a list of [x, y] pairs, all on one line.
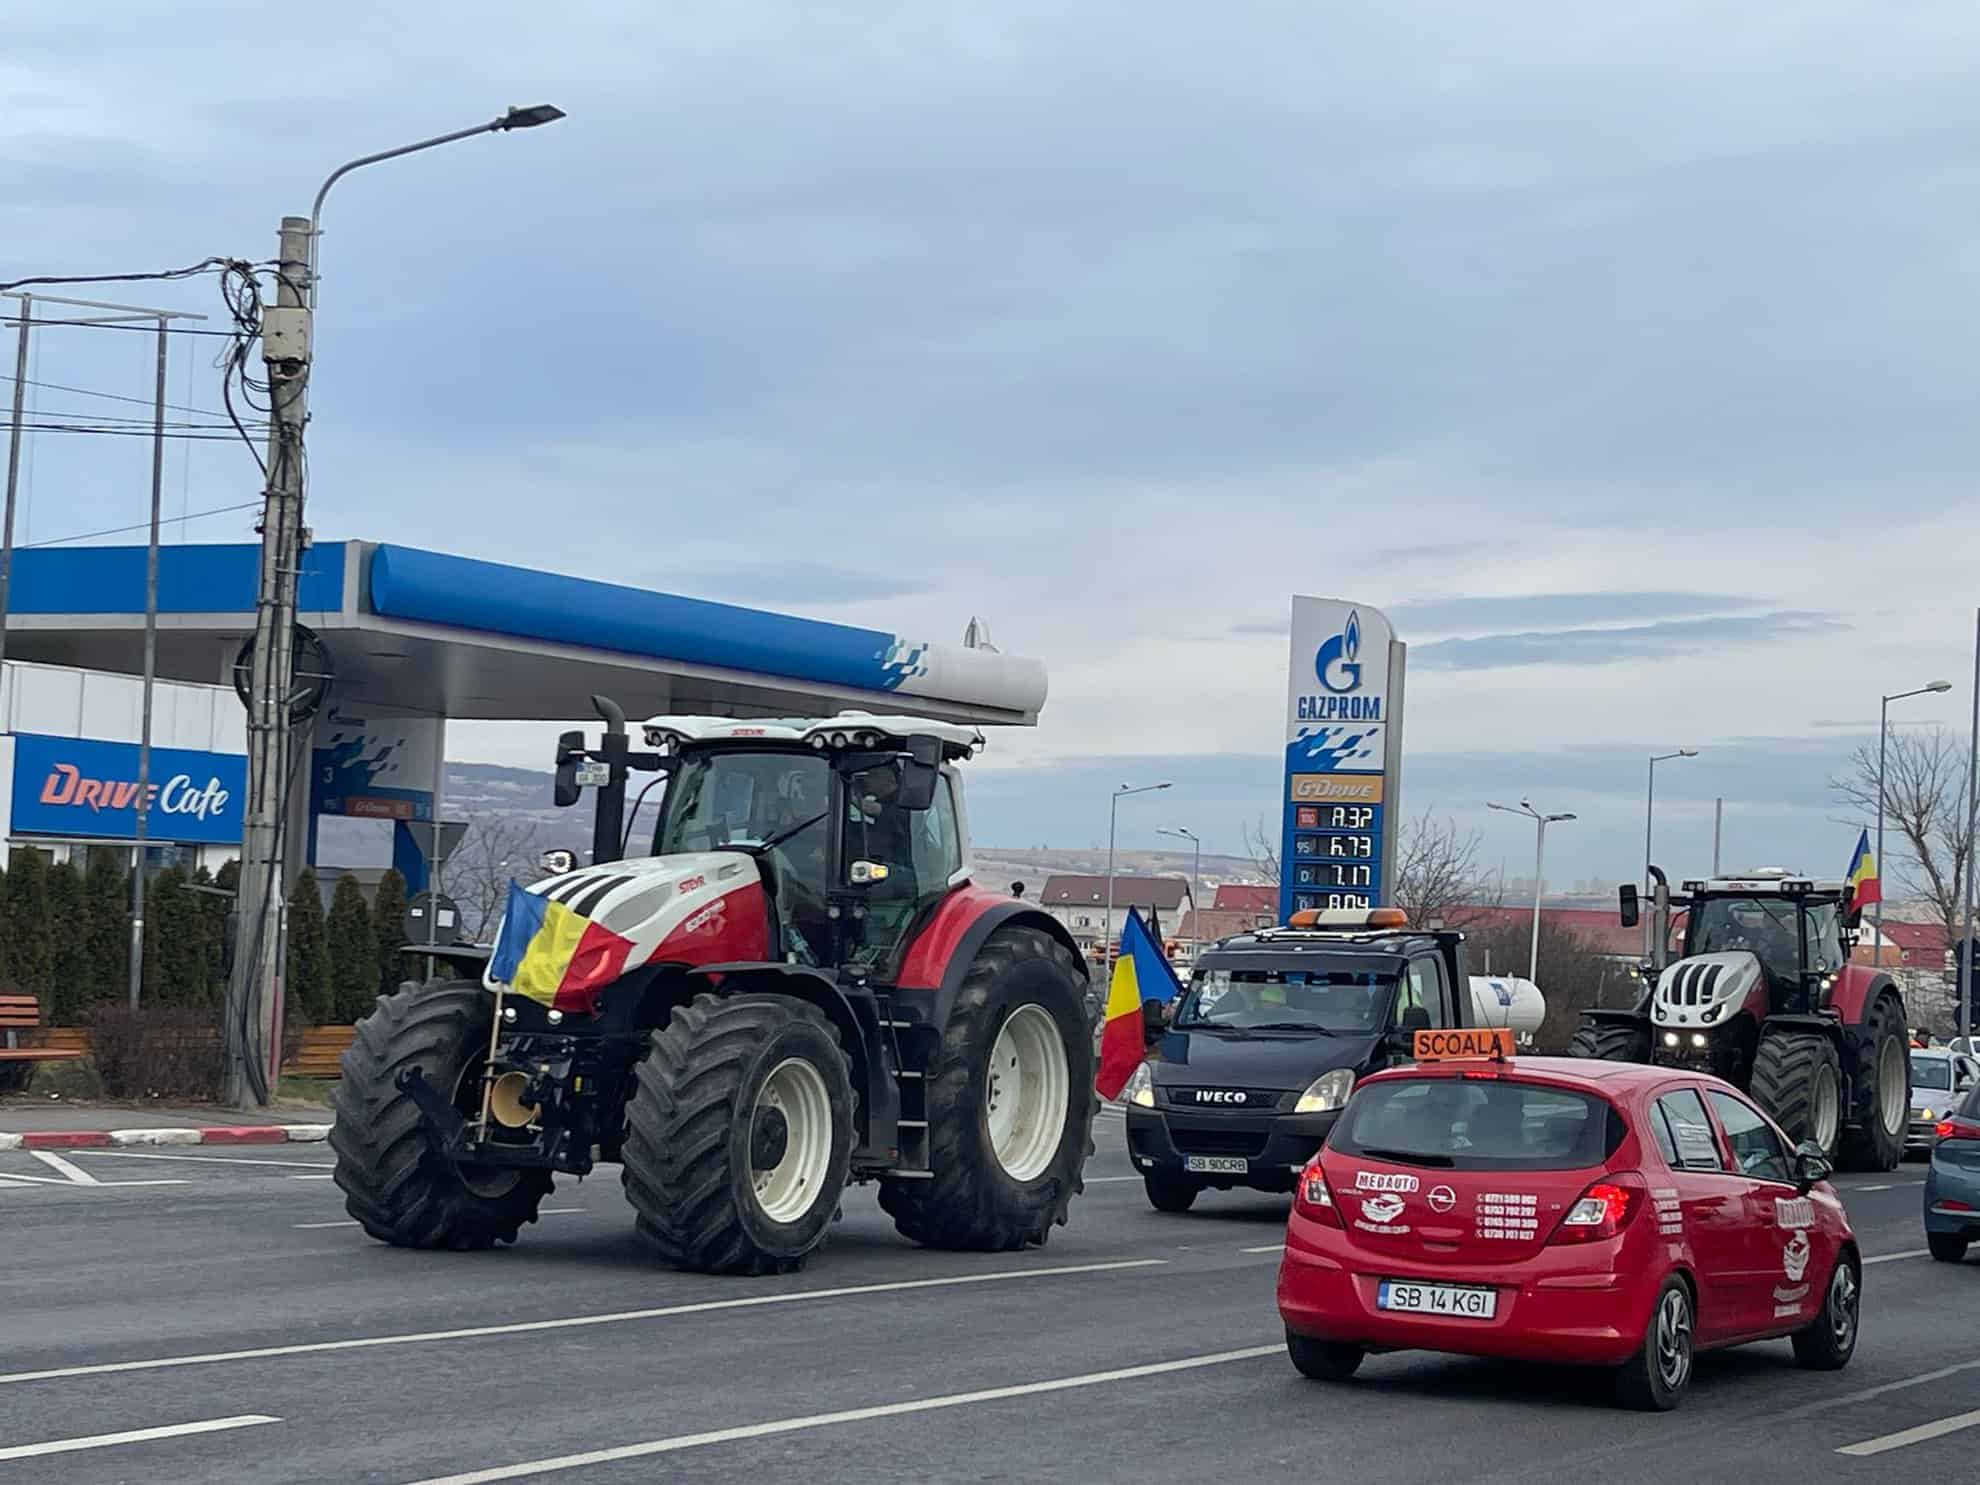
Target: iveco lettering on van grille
{"points": [[65, 785]]}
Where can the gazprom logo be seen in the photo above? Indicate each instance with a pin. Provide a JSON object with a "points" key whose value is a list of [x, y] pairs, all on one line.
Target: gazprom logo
{"points": [[1338, 662], [1337, 665]]}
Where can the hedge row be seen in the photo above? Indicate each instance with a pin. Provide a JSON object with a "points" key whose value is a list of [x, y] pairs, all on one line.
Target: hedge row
{"points": [[65, 939]]}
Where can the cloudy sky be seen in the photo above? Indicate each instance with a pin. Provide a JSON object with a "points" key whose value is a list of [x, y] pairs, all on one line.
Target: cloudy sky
{"points": [[1623, 354]]}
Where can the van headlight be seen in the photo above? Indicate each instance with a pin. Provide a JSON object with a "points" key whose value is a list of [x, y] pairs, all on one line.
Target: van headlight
{"points": [[1327, 1092], [1140, 1089]]}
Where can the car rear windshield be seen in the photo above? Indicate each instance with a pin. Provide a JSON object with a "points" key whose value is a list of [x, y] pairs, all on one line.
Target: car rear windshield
{"points": [[1478, 1124]]}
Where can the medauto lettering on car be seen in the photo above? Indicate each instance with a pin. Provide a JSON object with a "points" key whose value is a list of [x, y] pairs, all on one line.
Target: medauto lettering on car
{"points": [[1564, 1222]]}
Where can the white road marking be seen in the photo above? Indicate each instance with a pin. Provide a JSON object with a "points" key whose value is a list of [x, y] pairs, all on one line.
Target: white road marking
{"points": [[56, 1163], [312, 1178], [1103, 1180], [135, 1436], [850, 1415], [22, 1182], [1870, 1188], [1909, 1436], [1267, 1248], [204, 1159], [574, 1322], [1830, 1404], [1894, 1257]]}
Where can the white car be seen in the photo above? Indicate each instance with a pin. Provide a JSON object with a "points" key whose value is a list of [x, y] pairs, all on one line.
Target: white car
{"points": [[1939, 1077]]}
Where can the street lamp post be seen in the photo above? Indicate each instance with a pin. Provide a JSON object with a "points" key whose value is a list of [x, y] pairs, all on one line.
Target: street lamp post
{"points": [[1931, 688], [1649, 818], [1541, 822], [1195, 875], [287, 334], [1113, 811]]}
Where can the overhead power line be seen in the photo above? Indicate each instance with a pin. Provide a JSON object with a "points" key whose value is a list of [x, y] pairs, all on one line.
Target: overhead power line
{"points": [[218, 510], [207, 265], [112, 396]]}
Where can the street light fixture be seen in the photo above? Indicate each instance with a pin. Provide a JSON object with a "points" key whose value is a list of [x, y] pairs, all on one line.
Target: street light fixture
{"points": [[1930, 688], [516, 118], [1649, 816], [1541, 822], [1113, 810], [1195, 874]]}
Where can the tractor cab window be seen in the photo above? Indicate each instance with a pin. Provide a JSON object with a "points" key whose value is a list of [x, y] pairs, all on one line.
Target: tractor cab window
{"points": [[1774, 930], [774, 804], [921, 850]]}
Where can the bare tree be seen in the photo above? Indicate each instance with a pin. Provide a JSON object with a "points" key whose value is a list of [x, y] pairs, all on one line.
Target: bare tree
{"points": [[1438, 879], [1924, 809], [1261, 844], [477, 873]]}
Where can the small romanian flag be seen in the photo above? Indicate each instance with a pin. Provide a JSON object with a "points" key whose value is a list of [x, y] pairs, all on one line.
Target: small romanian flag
{"points": [[547, 953], [1861, 878], [1140, 974]]}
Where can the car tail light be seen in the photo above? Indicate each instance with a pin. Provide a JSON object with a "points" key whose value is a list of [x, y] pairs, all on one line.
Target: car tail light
{"points": [[1957, 1129], [1314, 1199], [1603, 1210], [1951, 1205]]}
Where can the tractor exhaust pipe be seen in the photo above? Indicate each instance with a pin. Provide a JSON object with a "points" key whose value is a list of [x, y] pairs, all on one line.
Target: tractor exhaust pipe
{"points": [[608, 822]]}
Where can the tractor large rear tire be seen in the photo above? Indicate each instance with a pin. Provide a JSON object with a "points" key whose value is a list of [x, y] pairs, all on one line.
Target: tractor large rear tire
{"points": [[1610, 1041], [739, 1135], [1874, 1138], [1797, 1078], [1014, 1073], [395, 1182]]}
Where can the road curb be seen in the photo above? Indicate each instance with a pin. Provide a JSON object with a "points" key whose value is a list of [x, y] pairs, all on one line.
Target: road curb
{"points": [[222, 1134]]}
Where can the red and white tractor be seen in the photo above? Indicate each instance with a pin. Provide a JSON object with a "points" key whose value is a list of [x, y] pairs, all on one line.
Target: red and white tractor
{"points": [[1764, 995], [799, 987]]}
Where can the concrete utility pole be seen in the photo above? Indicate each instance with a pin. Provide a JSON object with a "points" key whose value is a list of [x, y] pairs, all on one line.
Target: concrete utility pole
{"points": [[254, 1000], [14, 466], [1965, 953], [254, 1019]]}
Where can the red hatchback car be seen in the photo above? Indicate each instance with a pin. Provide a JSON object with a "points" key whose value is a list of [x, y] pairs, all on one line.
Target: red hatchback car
{"points": [[1564, 1210]]}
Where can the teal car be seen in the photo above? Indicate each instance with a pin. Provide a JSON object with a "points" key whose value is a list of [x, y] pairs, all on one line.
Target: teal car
{"points": [[1952, 1182]]}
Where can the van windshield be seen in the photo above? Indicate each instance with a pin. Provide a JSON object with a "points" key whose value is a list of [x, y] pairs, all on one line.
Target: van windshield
{"points": [[1340, 995], [1468, 1124]]}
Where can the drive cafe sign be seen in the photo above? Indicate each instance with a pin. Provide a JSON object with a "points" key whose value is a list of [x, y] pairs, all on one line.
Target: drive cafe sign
{"points": [[84, 788], [179, 796]]}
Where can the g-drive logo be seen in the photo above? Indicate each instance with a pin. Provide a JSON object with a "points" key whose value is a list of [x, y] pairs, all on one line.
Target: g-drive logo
{"points": [[1337, 665]]}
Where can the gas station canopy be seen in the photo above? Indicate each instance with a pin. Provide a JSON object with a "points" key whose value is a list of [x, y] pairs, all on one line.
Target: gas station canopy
{"points": [[472, 640]]}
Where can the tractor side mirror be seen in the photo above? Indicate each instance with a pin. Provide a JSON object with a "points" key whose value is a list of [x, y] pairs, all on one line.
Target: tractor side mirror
{"points": [[1811, 1164], [918, 772], [569, 745], [1631, 911]]}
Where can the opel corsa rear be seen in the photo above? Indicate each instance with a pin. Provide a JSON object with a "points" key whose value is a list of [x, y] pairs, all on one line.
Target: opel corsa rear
{"points": [[1525, 1210]]}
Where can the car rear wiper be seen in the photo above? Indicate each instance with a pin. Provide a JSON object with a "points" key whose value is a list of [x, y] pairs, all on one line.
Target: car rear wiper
{"points": [[1407, 1157]]}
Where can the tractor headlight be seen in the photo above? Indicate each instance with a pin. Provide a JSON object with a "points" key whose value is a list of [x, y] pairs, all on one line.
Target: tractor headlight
{"points": [[1140, 1089], [1670, 1038], [1700, 1039], [1327, 1092]]}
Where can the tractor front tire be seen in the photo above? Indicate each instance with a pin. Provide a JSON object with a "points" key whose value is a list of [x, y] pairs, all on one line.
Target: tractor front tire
{"points": [[1010, 1103], [1873, 1137], [1608, 1041], [396, 1183], [1797, 1078], [739, 1135]]}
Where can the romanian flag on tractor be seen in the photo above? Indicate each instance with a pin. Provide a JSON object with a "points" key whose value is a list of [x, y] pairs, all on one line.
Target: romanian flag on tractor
{"points": [[1140, 974], [544, 948], [1861, 878]]}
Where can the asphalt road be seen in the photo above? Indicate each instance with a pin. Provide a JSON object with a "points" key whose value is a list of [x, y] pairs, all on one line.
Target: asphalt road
{"points": [[1135, 1346]]}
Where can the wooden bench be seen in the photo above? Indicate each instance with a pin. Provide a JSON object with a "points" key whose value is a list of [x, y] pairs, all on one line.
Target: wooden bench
{"points": [[321, 1053], [20, 1013]]}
